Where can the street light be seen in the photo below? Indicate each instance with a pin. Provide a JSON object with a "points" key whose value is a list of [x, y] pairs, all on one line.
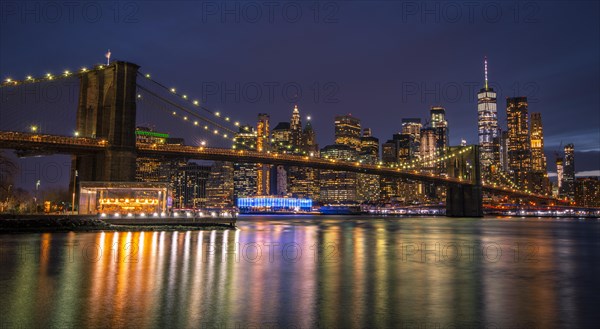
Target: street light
{"points": [[34, 128]]}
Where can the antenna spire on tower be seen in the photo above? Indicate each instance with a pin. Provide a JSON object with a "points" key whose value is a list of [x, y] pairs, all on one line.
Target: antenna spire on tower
{"points": [[486, 71]]}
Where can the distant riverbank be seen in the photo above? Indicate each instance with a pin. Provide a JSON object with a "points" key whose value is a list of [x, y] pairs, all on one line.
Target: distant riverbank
{"points": [[33, 224]]}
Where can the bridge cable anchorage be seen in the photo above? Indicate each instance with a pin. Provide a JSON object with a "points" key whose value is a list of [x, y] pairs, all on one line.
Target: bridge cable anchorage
{"points": [[9, 82], [194, 102], [193, 114]]}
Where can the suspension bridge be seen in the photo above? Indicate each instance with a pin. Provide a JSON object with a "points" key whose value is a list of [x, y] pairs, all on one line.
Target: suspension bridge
{"points": [[105, 147]]}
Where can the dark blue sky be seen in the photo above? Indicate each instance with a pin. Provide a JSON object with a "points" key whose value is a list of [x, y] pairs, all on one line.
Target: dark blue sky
{"points": [[380, 61]]}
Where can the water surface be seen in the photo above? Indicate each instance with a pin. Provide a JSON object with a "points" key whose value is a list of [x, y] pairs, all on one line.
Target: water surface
{"points": [[306, 272]]}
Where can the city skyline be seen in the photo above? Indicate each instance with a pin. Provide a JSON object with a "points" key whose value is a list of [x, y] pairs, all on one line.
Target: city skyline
{"points": [[405, 83]]}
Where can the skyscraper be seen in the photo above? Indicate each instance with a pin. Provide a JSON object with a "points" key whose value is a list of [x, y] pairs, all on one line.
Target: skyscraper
{"points": [[487, 124], [282, 138], [296, 130], [263, 145], [539, 174], [568, 180], [413, 126], [338, 185], [309, 139], [439, 123], [368, 185], [245, 174], [519, 145], [189, 186], [347, 131], [559, 173], [219, 186]]}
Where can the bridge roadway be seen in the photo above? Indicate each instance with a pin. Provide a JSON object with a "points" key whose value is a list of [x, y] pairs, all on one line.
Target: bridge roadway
{"points": [[45, 144]]}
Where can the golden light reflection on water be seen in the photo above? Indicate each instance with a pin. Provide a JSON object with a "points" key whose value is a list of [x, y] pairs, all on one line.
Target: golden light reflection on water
{"points": [[330, 273]]}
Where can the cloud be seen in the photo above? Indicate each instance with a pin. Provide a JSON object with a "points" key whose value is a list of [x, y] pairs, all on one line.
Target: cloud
{"points": [[588, 173]]}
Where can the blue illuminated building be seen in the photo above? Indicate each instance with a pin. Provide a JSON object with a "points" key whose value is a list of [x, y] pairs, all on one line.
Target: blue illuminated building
{"points": [[272, 204]]}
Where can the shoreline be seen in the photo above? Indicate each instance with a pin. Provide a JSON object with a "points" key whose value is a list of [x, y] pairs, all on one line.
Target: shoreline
{"points": [[71, 224]]}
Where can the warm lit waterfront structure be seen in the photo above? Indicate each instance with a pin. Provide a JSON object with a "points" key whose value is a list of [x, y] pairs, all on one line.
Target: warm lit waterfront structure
{"points": [[347, 131], [539, 181], [519, 144], [487, 128], [338, 185], [245, 181], [273, 205], [123, 198], [587, 192], [568, 180]]}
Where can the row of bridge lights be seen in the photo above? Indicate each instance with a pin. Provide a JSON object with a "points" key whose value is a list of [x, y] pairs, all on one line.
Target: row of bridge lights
{"points": [[196, 102], [48, 76]]}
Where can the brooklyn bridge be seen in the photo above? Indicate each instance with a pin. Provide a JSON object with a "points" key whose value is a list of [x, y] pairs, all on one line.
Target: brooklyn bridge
{"points": [[105, 149]]}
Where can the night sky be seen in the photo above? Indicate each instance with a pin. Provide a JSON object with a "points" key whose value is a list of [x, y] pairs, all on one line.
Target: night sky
{"points": [[379, 61]]}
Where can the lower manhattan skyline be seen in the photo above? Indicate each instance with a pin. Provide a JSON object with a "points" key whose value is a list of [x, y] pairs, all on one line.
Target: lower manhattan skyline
{"points": [[299, 164], [402, 83]]}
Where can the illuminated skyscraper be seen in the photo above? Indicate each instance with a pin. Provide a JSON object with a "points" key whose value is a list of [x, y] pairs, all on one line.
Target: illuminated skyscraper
{"points": [[519, 145], [539, 174], [347, 131], [219, 187], [309, 139], [368, 185], [189, 186], [568, 181], [263, 145], [487, 123], [413, 126], [439, 123], [338, 185], [245, 181], [559, 172], [428, 149], [296, 129], [282, 138], [587, 192]]}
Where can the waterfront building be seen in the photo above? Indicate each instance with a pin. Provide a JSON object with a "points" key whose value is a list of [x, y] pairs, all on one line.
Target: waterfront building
{"points": [[273, 204]]}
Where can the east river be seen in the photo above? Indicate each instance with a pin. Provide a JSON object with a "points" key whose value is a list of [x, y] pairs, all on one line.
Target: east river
{"points": [[309, 272]]}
